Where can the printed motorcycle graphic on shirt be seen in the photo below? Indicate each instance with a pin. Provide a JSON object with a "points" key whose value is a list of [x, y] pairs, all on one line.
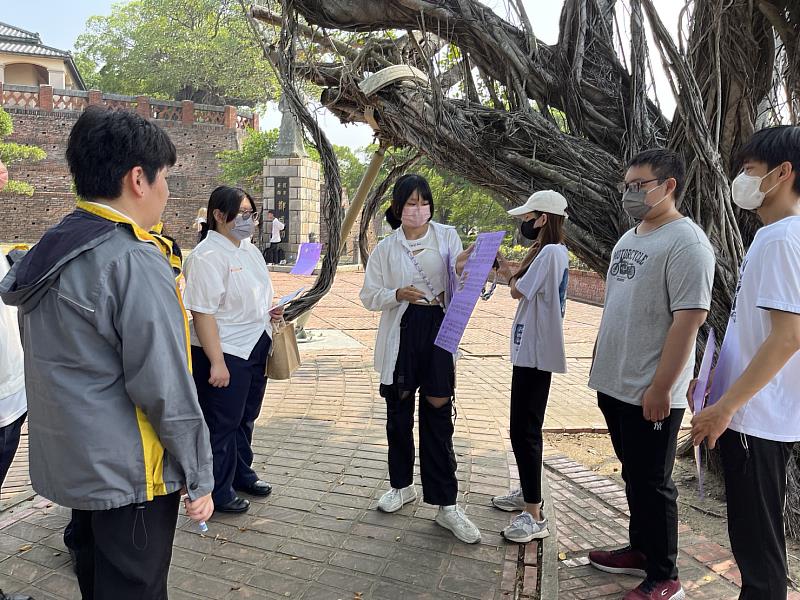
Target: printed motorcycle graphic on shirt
{"points": [[625, 262]]}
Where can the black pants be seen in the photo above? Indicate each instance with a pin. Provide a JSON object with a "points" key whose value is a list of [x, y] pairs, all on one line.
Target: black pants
{"points": [[274, 254], [529, 391], [124, 553], [647, 453], [230, 414], [423, 366], [9, 442], [755, 487]]}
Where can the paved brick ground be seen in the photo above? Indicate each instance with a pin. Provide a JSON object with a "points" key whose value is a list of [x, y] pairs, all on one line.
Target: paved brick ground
{"points": [[320, 441]]}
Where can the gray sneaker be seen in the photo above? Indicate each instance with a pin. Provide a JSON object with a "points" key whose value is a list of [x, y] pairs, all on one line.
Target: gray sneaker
{"points": [[510, 502], [524, 528], [454, 519], [394, 499]]}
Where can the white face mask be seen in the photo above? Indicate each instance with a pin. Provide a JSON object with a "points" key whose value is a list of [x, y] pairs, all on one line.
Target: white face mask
{"points": [[746, 190]]}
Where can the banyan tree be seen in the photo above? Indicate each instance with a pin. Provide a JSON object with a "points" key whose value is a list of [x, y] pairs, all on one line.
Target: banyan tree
{"points": [[490, 102]]}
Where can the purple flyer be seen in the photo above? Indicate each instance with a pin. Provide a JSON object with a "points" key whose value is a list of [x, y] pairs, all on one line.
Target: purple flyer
{"points": [[307, 258], [463, 302]]}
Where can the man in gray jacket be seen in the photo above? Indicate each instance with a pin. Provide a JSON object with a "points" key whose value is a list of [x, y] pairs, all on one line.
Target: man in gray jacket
{"points": [[116, 432]]}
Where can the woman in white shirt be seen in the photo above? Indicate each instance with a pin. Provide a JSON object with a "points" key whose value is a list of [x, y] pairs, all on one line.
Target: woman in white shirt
{"points": [[13, 402], [407, 282], [229, 294], [537, 351]]}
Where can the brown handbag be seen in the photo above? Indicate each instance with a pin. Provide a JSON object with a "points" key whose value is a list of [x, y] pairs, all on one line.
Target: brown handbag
{"points": [[285, 357]]}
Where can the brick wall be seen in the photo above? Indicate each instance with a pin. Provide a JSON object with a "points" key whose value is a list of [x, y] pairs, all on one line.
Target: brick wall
{"points": [[586, 286], [191, 181]]}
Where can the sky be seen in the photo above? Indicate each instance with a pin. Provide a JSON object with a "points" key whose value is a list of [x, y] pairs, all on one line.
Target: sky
{"points": [[60, 22]]}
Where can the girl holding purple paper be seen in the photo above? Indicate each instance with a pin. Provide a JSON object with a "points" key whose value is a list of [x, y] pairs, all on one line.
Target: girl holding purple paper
{"points": [[408, 280], [537, 351]]}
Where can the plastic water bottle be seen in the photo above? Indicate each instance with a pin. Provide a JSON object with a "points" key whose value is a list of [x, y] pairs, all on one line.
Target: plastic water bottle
{"points": [[203, 527]]}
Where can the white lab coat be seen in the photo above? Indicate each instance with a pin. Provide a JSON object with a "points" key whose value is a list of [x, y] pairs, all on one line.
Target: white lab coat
{"points": [[389, 268]]}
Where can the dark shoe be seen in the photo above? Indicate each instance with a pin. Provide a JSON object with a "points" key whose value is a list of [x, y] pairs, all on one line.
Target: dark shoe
{"points": [[237, 505], [257, 488], [650, 589], [14, 596], [625, 561]]}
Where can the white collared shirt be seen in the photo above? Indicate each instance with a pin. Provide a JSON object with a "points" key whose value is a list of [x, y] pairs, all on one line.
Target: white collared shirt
{"points": [[277, 227], [12, 372], [234, 286]]}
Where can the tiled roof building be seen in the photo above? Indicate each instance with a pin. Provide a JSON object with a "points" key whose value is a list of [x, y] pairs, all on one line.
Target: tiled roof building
{"points": [[25, 60]]}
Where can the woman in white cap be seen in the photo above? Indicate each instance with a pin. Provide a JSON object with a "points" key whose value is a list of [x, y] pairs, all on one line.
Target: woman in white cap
{"points": [[537, 351]]}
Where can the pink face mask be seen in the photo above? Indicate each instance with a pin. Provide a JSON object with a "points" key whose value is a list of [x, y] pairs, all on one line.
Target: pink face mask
{"points": [[416, 216]]}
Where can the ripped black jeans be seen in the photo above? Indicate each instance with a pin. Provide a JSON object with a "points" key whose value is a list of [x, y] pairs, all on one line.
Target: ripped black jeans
{"points": [[424, 366]]}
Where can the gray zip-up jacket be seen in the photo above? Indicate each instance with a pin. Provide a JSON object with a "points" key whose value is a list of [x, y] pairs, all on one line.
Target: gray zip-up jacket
{"points": [[112, 407]]}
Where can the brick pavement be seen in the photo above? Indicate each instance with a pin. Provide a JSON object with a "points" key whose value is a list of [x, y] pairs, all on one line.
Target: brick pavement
{"points": [[320, 441]]}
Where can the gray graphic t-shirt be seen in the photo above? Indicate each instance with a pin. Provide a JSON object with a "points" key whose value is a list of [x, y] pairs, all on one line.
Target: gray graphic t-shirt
{"points": [[650, 277]]}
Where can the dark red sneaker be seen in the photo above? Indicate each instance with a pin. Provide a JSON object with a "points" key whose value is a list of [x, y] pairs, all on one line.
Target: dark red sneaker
{"points": [[625, 561], [657, 590]]}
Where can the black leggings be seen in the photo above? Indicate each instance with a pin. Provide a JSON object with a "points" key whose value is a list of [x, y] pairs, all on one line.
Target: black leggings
{"points": [[529, 391]]}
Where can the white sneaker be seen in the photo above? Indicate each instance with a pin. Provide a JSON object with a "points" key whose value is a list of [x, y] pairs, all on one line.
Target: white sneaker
{"points": [[454, 519], [394, 499], [510, 502], [525, 528]]}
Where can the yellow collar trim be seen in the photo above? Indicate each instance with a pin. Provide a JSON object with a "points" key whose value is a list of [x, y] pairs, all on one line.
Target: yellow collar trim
{"points": [[110, 214]]}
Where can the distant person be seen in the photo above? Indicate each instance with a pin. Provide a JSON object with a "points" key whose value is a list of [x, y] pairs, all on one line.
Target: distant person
{"points": [[756, 417], [274, 252], [200, 223], [658, 294], [407, 281], [115, 429], [229, 293], [537, 351]]}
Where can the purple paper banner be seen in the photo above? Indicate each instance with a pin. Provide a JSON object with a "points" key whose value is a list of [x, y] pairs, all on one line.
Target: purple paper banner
{"points": [[307, 258], [468, 289]]}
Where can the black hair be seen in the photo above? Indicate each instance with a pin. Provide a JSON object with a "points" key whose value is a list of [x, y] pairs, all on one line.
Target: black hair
{"points": [[664, 164], [228, 201], [404, 188], [773, 146], [104, 145]]}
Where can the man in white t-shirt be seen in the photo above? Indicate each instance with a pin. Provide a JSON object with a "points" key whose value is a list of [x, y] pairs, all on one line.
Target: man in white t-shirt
{"points": [[275, 227], [755, 397]]}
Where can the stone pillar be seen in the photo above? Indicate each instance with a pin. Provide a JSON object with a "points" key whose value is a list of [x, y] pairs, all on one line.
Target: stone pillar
{"points": [[2, 72], [46, 98], [187, 112], [229, 117], [143, 106], [57, 78], [291, 189], [95, 97]]}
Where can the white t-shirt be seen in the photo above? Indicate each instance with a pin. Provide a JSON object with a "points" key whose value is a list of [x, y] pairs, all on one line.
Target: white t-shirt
{"points": [[12, 372], [277, 227], [233, 284], [426, 253], [537, 334], [769, 279]]}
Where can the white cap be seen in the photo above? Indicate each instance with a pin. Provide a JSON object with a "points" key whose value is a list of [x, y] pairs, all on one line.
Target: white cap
{"points": [[546, 201]]}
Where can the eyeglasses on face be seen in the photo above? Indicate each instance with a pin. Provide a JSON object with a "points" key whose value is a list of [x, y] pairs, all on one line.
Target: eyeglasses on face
{"points": [[248, 214], [634, 186]]}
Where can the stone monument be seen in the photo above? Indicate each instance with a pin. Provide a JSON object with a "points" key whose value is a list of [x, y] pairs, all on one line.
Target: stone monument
{"points": [[292, 186]]}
